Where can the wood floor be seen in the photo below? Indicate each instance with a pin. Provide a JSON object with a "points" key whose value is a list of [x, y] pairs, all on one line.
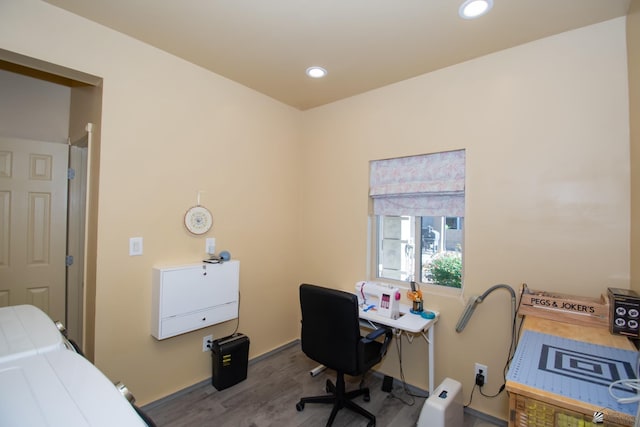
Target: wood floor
{"points": [[269, 395]]}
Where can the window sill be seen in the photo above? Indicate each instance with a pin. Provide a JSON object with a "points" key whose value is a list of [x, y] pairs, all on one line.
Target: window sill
{"points": [[426, 288]]}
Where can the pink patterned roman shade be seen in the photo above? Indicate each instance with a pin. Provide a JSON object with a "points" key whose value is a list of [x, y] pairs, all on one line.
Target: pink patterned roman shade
{"points": [[426, 185]]}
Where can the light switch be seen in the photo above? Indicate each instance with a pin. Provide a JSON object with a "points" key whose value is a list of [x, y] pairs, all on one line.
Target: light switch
{"points": [[210, 245], [135, 246]]}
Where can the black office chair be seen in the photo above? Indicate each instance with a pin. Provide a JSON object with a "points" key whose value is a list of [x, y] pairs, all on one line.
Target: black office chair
{"points": [[331, 336]]}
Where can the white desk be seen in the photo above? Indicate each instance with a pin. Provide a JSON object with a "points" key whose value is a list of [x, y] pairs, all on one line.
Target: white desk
{"points": [[410, 324]]}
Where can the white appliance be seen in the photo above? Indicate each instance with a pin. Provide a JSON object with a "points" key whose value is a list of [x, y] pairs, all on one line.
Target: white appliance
{"points": [[26, 330], [61, 388], [444, 407], [45, 382], [381, 298]]}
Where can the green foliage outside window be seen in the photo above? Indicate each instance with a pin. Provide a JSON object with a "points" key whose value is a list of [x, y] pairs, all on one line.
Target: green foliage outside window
{"points": [[446, 269]]}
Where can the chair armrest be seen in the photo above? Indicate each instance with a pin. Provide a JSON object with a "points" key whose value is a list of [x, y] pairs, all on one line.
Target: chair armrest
{"points": [[388, 334], [375, 334]]}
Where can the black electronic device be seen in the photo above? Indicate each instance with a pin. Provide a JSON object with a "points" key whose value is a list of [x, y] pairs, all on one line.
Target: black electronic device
{"points": [[387, 384], [230, 357], [624, 312]]}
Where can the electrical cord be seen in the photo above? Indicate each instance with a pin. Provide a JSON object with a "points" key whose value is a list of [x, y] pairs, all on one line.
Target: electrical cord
{"points": [[492, 395], [238, 318], [471, 396], [515, 327], [405, 387], [633, 384], [392, 395], [210, 343], [599, 415]]}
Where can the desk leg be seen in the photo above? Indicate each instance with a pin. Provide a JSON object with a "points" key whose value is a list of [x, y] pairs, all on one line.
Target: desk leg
{"points": [[431, 360]]}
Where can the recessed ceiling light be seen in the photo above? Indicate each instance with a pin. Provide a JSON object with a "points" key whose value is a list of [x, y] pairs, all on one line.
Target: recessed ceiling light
{"points": [[316, 72], [474, 8]]}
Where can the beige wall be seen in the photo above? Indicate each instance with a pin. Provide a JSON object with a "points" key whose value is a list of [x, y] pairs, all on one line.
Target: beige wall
{"points": [[171, 129], [545, 126], [33, 109], [633, 55]]}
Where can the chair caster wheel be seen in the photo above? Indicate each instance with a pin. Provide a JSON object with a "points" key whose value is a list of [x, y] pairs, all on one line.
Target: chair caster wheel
{"points": [[371, 424], [300, 406]]}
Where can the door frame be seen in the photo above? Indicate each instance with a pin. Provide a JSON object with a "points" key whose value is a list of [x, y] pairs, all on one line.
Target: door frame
{"points": [[79, 155]]}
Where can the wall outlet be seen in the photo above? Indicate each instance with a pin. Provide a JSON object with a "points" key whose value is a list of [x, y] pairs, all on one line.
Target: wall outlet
{"points": [[480, 367], [206, 343]]}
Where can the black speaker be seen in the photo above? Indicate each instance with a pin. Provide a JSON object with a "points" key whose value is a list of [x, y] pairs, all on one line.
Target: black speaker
{"points": [[387, 384], [230, 357]]}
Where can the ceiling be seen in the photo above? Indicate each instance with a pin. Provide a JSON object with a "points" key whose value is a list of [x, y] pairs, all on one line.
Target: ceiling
{"points": [[364, 44]]}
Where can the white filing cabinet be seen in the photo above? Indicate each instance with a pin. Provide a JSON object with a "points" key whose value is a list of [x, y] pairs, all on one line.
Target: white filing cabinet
{"points": [[191, 297]]}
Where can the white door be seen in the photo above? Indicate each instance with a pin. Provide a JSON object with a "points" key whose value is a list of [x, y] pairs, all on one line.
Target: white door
{"points": [[33, 224]]}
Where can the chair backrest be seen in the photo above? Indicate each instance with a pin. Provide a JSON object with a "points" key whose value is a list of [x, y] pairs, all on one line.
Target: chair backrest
{"points": [[330, 328]]}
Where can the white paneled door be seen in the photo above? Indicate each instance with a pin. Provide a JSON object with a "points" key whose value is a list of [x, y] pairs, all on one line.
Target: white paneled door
{"points": [[33, 224]]}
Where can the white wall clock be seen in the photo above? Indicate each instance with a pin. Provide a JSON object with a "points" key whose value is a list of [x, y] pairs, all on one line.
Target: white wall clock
{"points": [[198, 220]]}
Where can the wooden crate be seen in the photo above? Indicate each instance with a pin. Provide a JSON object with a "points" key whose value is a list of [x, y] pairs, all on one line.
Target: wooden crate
{"points": [[528, 412], [565, 308]]}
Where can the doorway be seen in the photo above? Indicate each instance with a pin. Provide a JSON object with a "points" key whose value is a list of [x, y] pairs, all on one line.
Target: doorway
{"points": [[80, 227]]}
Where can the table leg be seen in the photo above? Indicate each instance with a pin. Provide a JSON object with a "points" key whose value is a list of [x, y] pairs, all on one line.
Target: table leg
{"points": [[431, 360]]}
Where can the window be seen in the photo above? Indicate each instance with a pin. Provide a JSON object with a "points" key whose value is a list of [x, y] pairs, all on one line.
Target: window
{"points": [[422, 249], [418, 205]]}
